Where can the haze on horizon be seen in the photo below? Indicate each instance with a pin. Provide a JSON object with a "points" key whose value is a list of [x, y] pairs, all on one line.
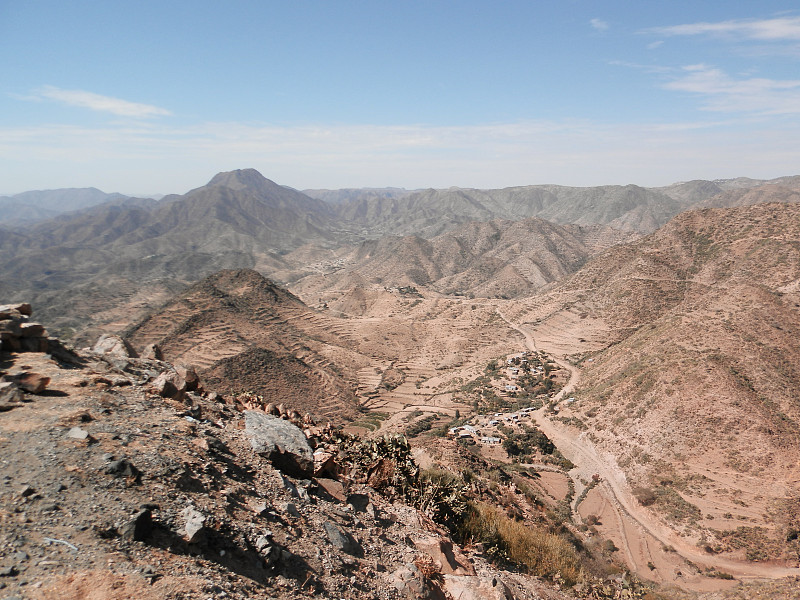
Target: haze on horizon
{"points": [[145, 98]]}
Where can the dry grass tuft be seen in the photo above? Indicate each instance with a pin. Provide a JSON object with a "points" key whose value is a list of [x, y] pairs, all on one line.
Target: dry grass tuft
{"points": [[538, 551]]}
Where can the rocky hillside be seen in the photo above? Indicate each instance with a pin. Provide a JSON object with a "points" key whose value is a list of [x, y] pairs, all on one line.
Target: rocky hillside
{"points": [[694, 388], [430, 212], [497, 258], [126, 477], [244, 333]]}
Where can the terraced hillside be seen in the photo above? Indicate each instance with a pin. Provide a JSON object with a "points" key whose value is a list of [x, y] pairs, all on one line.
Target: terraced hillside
{"points": [[686, 344], [239, 330]]}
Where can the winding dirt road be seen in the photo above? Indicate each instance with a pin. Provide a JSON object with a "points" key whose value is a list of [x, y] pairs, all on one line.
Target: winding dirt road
{"points": [[639, 530]]}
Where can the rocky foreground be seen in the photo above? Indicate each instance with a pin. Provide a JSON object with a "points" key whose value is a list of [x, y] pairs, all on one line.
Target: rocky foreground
{"points": [[121, 477]]}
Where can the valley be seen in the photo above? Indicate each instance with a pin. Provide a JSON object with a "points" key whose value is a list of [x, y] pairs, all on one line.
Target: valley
{"points": [[624, 373]]}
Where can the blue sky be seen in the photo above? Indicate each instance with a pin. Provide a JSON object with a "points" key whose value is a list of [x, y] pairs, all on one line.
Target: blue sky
{"points": [[144, 97]]}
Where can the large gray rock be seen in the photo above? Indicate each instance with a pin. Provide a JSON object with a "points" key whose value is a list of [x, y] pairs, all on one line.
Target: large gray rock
{"points": [[342, 540], [282, 443], [113, 345]]}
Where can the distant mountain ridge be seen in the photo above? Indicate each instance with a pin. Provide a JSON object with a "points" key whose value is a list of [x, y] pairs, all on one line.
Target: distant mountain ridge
{"points": [[98, 259], [489, 259], [38, 205]]}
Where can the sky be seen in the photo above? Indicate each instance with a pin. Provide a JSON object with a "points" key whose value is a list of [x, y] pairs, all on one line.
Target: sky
{"points": [[157, 97]]}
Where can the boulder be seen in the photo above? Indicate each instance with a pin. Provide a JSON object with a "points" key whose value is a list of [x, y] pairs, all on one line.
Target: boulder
{"points": [[113, 345], [33, 383], [189, 375], [466, 587], [194, 524], [169, 385], [152, 352], [17, 334], [282, 443]]}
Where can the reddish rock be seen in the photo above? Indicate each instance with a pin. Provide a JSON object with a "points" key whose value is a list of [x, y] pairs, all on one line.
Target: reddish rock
{"points": [[324, 463], [447, 557], [189, 375], [169, 385], [334, 488], [32, 382]]}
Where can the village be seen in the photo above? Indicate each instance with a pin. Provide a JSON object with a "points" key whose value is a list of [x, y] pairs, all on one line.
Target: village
{"points": [[523, 384]]}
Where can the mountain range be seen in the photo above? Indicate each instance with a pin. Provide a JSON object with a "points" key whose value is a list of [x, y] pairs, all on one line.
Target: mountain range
{"points": [[667, 317], [128, 255]]}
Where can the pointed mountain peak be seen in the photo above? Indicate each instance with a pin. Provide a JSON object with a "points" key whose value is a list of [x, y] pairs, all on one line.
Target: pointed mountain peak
{"points": [[240, 178]]}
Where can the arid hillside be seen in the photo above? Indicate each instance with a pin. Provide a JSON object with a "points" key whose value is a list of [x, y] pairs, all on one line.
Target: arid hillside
{"points": [[494, 259], [95, 270], [244, 333], [239, 330], [686, 345]]}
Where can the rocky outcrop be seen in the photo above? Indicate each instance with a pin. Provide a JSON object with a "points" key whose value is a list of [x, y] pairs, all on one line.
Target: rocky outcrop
{"points": [[18, 333], [280, 442], [113, 345]]}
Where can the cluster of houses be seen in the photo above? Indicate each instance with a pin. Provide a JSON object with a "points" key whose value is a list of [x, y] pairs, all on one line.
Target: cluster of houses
{"points": [[517, 365], [473, 435]]}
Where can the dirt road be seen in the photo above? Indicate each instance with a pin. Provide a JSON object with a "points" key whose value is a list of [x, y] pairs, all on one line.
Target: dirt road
{"points": [[640, 531]]}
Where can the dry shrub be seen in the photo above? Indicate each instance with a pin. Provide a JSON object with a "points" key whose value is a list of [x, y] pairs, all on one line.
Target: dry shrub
{"points": [[541, 553], [428, 567], [645, 496]]}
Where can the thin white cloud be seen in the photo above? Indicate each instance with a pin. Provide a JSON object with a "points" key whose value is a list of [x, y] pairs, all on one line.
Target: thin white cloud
{"points": [[599, 24], [658, 69], [780, 29], [725, 93], [97, 102], [574, 152], [654, 45]]}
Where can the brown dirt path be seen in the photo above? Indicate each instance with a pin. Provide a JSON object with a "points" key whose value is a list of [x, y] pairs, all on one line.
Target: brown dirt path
{"points": [[639, 530]]}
